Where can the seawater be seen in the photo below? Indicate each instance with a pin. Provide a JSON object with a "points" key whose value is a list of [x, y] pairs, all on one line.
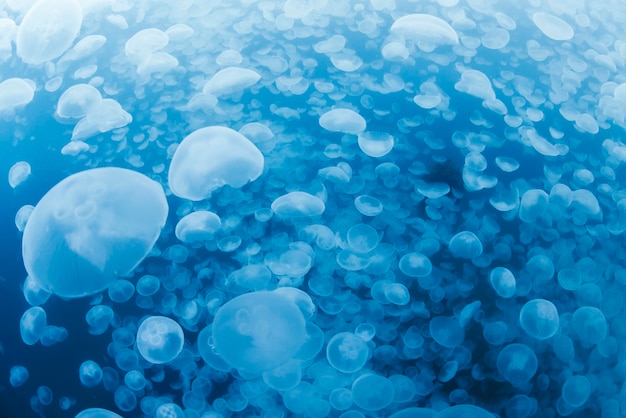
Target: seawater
{"points": [[312, 208]]}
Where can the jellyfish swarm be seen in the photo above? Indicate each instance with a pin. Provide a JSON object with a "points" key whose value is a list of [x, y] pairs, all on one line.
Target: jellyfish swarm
{"points": [[92, 227], [259, 331]]}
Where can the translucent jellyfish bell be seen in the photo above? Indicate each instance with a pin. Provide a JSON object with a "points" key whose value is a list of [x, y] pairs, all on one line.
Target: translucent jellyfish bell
{"points": [[465, 244], [48, 30], [159, 339], [92, 227], [210, 158], [347, 352], [539, 319], [517, 363], [97, 413], [259, 331]]}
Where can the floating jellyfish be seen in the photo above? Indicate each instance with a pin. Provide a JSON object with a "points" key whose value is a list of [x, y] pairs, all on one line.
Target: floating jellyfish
{"points": [[32, 324], [503, 282], [121, 291], [230, 80], [18, 375], [22, 215], [14, 93], [590, 325], [533, 204], [125, 399], [576, 391], [553, 27], [539, 319], [99, 318], [517, 363], [198, 226], [362, 238], [446, 331], [465, 411], [368, 205], [297, 205], [148, 285], [343, 120], [44, 394], [260, 135], [159, 339], [103, 222], [475, 83], [259, 331], [18, 173], [425, 30], [210, 158], [284, 377], [145, 42], [169, 410], [465, 244], [52, 335], [372, 392], [375, 144], [347, 352], [78, 101], [415, 265], [48, 30], [97, 413], [90, 373]]}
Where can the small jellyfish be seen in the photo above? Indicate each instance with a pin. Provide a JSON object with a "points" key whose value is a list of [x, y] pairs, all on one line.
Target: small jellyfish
{"points": [[503, 282], [90, 373], [97, 413], [347, 352], [159, 339], [372, 392], [446, 331], [258, 331], [32, 324], [415, 265], [576, 391], [99, 318], [375, 144], [210, 158], [197, 226], [465, 244], [539, 319], [517, 363], [18, 173], [342, 120], [590, 324], [297, 205], [18, 375]]}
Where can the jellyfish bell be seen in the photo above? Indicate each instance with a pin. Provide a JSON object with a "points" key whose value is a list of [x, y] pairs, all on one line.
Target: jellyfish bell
{"points": [[92, 227]]}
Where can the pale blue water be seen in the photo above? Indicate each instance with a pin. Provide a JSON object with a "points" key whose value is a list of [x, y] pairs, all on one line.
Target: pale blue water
{"points": [[349, 209]]}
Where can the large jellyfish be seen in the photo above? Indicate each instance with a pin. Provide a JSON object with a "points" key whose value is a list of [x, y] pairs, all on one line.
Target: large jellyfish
{"points": [[92, 227]]}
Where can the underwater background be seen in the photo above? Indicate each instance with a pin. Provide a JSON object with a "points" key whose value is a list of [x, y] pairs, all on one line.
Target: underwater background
{"points": [[312, 208]]}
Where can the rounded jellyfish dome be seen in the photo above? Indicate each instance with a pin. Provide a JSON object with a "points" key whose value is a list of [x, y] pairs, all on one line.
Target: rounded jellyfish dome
{"points": [[258, 331], [576, 390], [159, 339], [347, 352], [210, 158], [465, 244], [372, 392], [97, 413], [539, 319], [517, 363], [102, 222]]}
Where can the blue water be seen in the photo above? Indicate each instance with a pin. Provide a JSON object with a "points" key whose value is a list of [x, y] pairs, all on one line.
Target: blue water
{"points": [[327, 320]]}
